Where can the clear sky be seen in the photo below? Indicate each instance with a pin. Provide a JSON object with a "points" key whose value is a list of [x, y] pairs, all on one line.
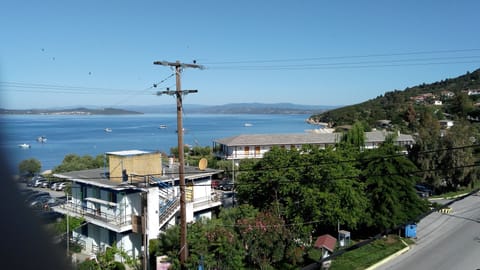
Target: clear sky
{"points": [[312, 52]]}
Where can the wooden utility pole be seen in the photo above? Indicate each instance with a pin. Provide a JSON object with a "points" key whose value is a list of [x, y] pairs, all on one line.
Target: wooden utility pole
{"points": [[181, 170]]}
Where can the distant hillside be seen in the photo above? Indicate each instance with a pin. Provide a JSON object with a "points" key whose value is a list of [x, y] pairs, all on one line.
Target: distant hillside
{"points": [[237, 108], [393, 105], [76, 111]]}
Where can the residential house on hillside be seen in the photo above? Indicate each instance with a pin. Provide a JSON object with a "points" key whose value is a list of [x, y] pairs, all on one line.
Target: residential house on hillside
{"points": [[133, 200], [445, 124], [256, 145], [472, 92], [447, 94]]}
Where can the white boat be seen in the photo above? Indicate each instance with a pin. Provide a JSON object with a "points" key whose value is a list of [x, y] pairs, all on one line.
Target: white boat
{"points": [[162, 126], [42, 139], [24, 145], [108, 130], [248, 124]]}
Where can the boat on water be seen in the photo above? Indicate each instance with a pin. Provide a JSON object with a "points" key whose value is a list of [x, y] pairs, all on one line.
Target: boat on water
{"points": [[247, 124], [42, 139], [162, 126], [108, 130], [24, 145]]}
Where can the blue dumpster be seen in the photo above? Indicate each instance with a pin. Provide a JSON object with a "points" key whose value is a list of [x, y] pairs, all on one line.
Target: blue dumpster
{"points": [[411, 231]]}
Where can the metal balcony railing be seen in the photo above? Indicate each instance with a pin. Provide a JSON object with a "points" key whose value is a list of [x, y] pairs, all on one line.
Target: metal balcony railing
{"points": [[119, 219]]}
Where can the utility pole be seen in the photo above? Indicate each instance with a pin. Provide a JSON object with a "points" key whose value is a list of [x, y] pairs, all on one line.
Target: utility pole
{"points": [[179, 93], [68, 232]]}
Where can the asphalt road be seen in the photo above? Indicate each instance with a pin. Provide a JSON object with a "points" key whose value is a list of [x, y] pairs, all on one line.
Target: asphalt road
{"points": [[445, 241]]}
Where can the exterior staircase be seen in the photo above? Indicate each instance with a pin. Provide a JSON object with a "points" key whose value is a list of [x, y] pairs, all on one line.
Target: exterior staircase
{"points": [[169, 210], [171, 203]]}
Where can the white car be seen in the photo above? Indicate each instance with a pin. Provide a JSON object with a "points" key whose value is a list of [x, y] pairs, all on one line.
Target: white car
{"points": [[54, 186], [61, 186]]}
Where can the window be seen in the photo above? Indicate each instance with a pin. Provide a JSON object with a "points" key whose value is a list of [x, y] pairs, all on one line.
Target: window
{"points": [[112, 196], [112, 237], [84, 230], [246, 150], [257, 150]]}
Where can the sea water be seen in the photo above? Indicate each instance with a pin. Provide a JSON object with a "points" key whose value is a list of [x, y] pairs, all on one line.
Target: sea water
{"points": [[87, 135]]}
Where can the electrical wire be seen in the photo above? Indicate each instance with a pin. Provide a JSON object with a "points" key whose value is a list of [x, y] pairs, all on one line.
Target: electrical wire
{"points": [[342, 57], [407, 173]]}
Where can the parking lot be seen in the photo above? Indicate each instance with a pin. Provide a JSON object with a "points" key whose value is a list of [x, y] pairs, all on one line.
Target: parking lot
{"points": [[53, 193]]}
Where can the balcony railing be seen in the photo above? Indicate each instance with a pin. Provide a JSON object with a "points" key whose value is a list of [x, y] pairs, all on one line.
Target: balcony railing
{"points": [[117, 221]]}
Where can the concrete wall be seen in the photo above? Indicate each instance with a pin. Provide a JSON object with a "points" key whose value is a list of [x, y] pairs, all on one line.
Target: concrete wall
{"points": [[144, 164]]}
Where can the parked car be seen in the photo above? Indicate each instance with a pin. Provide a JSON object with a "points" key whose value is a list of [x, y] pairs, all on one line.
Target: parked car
{"points": [[54, 185], [40, 202], [34, 196], [424, 189], [215, 183], [38, 182], [45, 184], [61, 186], [226, 185], [26, 192]]}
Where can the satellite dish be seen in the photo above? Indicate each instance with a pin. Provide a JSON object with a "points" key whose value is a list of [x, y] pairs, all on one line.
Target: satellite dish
{"points": [[202, 164]]}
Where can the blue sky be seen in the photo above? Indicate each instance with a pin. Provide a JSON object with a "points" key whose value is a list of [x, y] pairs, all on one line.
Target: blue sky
{"points": [[68, 53]]}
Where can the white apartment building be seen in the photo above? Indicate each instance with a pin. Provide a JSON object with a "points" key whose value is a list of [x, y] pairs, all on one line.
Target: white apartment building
{"points": [[133, 200], [256, 145]]}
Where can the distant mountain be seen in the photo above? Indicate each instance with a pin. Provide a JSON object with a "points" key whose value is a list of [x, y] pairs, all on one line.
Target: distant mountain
{"points": [[233, 108], [237, 108], [76, 111]]}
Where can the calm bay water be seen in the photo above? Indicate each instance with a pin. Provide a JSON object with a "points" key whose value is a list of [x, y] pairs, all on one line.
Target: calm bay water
{"points": [[85, 135]]}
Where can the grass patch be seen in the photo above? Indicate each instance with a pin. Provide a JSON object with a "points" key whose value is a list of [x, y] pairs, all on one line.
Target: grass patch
{"points": [[448, 195], [368, 255]]}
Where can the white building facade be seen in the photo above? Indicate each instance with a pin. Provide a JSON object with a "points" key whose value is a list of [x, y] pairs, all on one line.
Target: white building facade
{"points": [[133, 209], [256, 145]]}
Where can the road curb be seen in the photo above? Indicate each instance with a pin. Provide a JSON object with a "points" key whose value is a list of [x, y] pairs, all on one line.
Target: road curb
{"points": [[391, 257], [448, 198]]}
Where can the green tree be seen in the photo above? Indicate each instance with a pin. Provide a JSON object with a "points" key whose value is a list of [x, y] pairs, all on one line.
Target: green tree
{"points": [[106, 260], [390, 180], [456, 160], [266, 239], [355, 136], [461, 105], [422, 153], [30, 166], [312, 185], [73, 162]]}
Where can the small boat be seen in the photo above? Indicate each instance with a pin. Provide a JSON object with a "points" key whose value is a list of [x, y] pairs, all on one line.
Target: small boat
{"points": [[162, 126], [108, 130], [42, 139], [24, 145], [248, 124]]}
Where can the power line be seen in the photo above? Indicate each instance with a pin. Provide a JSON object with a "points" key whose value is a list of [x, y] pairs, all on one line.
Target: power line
{"points": [[343, 57], [317, 164], [338, 66]]}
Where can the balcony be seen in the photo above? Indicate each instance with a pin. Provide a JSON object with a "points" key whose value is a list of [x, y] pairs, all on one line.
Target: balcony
{"points": [[120, 222], [206, 202]]}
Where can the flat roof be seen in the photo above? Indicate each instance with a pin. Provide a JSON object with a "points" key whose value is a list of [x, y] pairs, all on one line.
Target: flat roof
{"points": [[128, 152], [97, 177]]}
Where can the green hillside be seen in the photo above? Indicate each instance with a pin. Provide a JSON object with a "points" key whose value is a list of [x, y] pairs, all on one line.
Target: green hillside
{"points": [[396, 105]]}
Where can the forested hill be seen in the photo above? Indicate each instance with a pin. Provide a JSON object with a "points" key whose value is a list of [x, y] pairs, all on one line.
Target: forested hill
{"points": [[394, 105]]}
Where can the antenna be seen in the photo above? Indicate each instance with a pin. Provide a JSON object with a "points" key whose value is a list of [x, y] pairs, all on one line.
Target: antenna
{"points": [[202, 164]]}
